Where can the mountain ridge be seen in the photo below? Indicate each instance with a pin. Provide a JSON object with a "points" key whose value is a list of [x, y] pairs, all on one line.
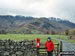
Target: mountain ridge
{"points": [[29, 24]]}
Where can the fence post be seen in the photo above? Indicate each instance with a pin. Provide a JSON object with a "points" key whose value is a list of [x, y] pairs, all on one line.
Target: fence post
{"points": [[60, 47], [74, 53], [57, 49], [37, 51]]}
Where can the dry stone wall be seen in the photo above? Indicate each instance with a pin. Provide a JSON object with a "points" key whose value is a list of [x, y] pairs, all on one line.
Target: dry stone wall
{"points": [[13, 48]]}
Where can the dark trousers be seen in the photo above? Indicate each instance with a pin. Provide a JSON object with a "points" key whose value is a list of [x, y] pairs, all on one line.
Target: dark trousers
{"points": [[50, 53]]}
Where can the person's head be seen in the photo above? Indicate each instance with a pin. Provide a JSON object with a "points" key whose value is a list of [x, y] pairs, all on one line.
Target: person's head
{"points": [[49, 38]]}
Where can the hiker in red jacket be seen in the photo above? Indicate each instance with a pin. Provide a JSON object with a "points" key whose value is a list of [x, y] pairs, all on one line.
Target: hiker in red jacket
{"points": [[50, 46]]}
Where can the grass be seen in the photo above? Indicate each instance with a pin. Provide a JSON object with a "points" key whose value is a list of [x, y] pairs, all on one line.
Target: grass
{"points": [[43, 38], [72, 41], [18, 37]]}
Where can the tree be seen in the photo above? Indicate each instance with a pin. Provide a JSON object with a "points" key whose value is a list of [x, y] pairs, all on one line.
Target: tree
{"points": [[2, 32], [74, 32], [53, 32], [47, 32], [67, 32]]}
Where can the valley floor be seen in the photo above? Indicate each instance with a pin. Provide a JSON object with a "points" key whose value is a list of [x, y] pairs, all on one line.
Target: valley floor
{"points": [[43, 38]]}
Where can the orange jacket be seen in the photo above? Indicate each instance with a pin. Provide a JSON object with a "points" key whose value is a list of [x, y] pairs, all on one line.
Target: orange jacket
{"points": [[49, 45]]}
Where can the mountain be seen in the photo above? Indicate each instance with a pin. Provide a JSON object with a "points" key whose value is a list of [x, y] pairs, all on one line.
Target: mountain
{"points": [[65, 22], [22, 24], [8, 21]]}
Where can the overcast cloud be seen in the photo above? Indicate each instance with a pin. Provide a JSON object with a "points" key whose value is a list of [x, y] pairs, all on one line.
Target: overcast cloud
{"points": [[64, 9]]}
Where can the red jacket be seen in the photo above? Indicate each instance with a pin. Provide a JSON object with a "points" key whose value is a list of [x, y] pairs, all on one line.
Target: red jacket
{"points": [[49, 45]]}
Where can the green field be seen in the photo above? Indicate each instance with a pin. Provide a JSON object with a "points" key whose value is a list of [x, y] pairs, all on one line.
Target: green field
{"points": [[43, 38]]}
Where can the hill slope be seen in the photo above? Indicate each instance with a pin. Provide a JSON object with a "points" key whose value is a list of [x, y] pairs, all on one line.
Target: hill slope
{"points": [[23, 24]]}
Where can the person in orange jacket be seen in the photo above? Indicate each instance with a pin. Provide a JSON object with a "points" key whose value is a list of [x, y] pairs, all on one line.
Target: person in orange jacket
{"points": [[49, 46]]}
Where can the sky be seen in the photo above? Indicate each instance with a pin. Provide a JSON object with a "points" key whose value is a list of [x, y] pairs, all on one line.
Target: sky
{"points": [[64, 9]]}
